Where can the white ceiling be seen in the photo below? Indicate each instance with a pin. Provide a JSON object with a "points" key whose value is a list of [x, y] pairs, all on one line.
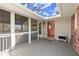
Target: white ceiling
{"points": [[19, 10], [66, 10]]}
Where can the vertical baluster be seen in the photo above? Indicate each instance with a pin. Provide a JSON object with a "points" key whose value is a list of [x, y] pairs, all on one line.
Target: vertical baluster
{"points": [[0, 44], [3, 44], [6, 42], [9, 42], [17, 39]]}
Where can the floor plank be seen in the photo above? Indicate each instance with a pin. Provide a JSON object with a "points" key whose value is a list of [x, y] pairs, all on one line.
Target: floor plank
{"points": [[44, 48]]}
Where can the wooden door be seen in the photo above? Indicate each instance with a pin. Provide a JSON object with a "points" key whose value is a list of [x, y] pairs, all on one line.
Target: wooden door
{"points": [[51, 29]]}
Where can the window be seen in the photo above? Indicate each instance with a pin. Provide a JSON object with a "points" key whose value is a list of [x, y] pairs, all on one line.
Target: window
{"points": [[6, 28], [17, 28], [40, 28], [33, 25], [21, 23], [25, 26]]}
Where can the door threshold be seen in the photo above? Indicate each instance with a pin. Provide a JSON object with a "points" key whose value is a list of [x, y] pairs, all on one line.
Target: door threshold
{"points": [[50, 38]]}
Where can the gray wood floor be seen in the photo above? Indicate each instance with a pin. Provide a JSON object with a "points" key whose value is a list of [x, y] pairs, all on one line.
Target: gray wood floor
{"points": [[43, 48]]}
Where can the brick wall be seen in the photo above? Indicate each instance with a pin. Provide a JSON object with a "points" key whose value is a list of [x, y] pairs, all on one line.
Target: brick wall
{"points": [[76, 34], [72, 26]]}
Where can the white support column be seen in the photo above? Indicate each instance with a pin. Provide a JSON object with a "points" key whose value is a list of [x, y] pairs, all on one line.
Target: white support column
{"points": [[12, 22], [29, 30], [42, 29], [46, 29], [38, 28], [75, 20]]}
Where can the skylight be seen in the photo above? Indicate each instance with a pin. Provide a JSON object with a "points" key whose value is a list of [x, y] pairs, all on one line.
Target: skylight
{"points": [[45, 10]]}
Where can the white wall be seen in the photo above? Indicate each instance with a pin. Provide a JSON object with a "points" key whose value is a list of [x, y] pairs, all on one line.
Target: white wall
{"points": [[44, 30], [63, 27]]}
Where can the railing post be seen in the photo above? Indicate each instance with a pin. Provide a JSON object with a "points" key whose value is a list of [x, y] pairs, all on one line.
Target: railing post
{"points": [[6, 42], [3, 44]]}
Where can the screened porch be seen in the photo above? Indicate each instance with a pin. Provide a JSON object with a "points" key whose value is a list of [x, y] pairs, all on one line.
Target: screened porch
{"points": [[16, 29]]}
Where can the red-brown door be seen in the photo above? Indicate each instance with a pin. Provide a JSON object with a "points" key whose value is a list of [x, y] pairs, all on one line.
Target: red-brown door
{"points": [[51, 28]]}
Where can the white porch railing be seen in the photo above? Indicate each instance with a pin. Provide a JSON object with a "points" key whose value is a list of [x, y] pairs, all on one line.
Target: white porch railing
{"points": [[5, 42], [5, 39], [19, 35], [23, 36]]}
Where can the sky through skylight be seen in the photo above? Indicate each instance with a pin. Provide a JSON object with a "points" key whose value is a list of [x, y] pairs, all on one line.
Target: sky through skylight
{"points": [[43, 9]]}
